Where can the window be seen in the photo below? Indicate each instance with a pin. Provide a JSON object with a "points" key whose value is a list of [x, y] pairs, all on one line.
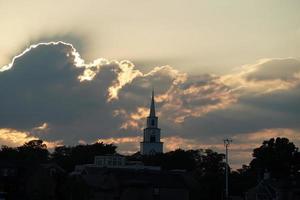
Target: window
{"points": [[99, 163], [152, 122], [152, 138], [152, 152], [156, 191]]}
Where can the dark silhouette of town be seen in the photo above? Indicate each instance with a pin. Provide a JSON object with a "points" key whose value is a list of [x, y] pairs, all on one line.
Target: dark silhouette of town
{"points": [[97, 171], [31, 172]]}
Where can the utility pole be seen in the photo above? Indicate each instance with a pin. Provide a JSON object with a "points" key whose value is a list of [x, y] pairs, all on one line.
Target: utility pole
{"points": [[226, 144]]}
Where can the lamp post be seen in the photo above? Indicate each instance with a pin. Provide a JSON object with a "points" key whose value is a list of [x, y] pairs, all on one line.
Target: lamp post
{"points": [[226, 144]]}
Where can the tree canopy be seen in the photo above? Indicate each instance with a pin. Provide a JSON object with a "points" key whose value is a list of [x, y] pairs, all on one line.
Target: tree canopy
{"points": [[36, 152], [278, 156], [67, 156]]}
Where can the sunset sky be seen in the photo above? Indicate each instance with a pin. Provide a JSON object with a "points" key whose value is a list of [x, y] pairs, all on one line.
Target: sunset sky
{"points": [[77, 72]]}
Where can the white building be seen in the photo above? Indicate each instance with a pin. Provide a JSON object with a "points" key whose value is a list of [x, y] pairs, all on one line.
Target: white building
{"points": [[110, 161], [114, 161], [151, 143]]}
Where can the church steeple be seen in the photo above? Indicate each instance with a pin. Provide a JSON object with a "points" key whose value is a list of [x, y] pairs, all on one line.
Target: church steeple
{"points": [[152, 107], [151, 143], [152, 120]]}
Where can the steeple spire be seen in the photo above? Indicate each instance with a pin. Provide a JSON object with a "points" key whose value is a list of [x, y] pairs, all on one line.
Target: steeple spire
{"points": [[152, 107], [151, 143]]}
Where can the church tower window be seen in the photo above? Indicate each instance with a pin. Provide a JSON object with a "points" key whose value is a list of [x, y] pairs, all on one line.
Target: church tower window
{"points": [[152, 122], [152, 138]]}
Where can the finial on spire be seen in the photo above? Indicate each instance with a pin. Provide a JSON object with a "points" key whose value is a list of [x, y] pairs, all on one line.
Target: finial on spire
{"points": [[152, 107]]}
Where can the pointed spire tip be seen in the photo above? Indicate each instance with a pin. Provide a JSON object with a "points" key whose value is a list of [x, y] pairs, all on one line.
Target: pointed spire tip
{"points": [[152, 107]]}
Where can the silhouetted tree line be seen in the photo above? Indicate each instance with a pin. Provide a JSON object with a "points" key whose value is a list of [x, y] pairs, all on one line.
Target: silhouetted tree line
{"points": [[279, 157], [30, 170], [68, 157], [206, 166], [32, 152], [35, 152]]}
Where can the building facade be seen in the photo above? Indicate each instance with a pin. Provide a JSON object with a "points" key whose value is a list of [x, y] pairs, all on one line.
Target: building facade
{"points": [[110, 161], [151, 143]]}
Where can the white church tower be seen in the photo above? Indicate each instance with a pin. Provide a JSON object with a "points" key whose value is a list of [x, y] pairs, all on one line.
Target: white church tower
{"points": [[151, 143]]}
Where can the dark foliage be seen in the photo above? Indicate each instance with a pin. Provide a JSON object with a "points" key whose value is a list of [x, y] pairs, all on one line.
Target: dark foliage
{"points": [[278, 156], [210, 174], [206, 166], [68, 157], [32, 152], [178, 159], [241, 180], [31, 172]]}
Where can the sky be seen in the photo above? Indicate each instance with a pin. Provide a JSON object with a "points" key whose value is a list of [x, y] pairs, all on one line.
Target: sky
{"points": [[80, 72]]}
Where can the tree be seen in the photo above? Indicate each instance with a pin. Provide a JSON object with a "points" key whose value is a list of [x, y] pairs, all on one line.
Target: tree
{"points": [[68, 157], [206, 166], [277, 156], [8, 153], [34, 151], [241, 180], [212, 163], [210, 174], [180, 159], [177, 159]]}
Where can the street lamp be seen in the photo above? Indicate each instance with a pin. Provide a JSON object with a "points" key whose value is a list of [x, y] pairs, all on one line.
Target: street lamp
{"points": [[226, 144]]}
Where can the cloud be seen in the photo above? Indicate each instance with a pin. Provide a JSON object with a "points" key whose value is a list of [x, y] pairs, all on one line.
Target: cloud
{"points": [[195, 99], [133, 120], [265, 76], [178, 95], [126, 74], [256, 108], [52, 88], [77, 60], [43, 85], [15, 138], [50, 83], [42, 127]]}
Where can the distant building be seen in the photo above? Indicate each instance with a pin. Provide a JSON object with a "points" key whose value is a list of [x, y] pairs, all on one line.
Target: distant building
{"points": [[7, 169], [114, 161], [20, 180], [274, 189], [151, 143], [130, 184], [110, 161], [44, 182]]}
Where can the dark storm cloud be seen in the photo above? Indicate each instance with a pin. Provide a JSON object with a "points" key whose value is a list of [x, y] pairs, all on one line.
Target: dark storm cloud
{"points": [[262, 102], [178, 97], [43, 86], [31, 90], [242, 118]]}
